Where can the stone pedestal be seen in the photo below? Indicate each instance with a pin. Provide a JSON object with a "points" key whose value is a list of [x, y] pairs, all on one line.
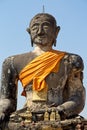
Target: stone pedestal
{"points": [[69, 124]]}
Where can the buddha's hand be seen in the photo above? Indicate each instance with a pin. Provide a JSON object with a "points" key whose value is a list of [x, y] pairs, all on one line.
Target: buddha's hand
{"points": [[61, 111], [2, 116]]}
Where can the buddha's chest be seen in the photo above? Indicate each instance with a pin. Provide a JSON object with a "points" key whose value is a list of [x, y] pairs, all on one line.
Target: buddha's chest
{"points": [[56, 83], [57, 80]]}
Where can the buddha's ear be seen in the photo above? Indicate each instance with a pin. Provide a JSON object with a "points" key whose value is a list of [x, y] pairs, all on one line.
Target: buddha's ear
{"points": [[57, 30], [28, 30]]}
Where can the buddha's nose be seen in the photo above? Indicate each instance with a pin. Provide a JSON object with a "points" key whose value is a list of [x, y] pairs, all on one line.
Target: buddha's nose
{"points": [[40, 30]]}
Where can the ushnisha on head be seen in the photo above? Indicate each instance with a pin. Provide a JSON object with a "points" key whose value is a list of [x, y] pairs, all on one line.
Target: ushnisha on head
{"points": [[43, 29]]}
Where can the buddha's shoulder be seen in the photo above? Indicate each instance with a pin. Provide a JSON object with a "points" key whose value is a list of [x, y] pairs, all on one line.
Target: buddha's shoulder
{"points": [[23, 55], [19, 58], [74, 59]]}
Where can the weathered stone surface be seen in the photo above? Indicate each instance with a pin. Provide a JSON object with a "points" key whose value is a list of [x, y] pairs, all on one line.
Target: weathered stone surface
{"points": [[68, 124], [52, 83]]}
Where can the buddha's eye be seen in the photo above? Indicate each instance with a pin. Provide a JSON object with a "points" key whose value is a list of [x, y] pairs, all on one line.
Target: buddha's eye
{"points": [[34, 28], [46, 27]]}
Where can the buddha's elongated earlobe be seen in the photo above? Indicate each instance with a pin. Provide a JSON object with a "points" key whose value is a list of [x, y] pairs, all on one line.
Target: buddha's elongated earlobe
{"points": [[28, 30], [55, 42], [31, 42]]}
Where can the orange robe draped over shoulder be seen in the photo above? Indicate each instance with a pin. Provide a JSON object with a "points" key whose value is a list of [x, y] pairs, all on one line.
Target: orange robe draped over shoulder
{"points": [[39, 68]]}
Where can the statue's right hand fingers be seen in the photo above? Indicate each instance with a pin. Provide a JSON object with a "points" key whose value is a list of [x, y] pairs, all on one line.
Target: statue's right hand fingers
{"points": [[2, 116]]}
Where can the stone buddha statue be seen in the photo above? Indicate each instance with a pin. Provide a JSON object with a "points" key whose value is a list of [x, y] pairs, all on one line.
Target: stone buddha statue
{"points": [[51, 79]]}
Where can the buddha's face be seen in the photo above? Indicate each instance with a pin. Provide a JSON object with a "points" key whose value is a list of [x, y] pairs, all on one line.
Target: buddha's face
{"points": [[42, 31]]}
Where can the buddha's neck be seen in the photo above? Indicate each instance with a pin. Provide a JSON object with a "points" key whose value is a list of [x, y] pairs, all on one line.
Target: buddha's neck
{"points": [[41, 49]]}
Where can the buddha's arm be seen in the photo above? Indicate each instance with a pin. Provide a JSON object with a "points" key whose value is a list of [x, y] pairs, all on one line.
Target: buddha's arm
{"points": [[75, 91], [8, 96]]}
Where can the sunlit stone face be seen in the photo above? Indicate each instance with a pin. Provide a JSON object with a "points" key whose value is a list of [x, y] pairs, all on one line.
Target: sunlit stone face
{"points": [[42, 30]]}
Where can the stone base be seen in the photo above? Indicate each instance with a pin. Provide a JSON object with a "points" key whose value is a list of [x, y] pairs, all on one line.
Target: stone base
{"points": [[69, 124]]}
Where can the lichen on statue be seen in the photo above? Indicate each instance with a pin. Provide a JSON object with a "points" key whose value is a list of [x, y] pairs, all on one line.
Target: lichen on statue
{"points": [[51, 79]]}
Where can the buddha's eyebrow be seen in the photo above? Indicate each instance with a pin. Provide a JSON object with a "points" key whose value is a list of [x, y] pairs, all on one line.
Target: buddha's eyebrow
{"points": [[46, 22], [35, 24]]}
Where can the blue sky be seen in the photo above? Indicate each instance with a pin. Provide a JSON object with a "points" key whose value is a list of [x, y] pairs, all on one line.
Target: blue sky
{"points": [[71, 16]]}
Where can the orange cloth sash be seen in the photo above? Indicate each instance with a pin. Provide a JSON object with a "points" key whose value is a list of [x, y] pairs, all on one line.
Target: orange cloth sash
{"points": [[39, 68]]}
